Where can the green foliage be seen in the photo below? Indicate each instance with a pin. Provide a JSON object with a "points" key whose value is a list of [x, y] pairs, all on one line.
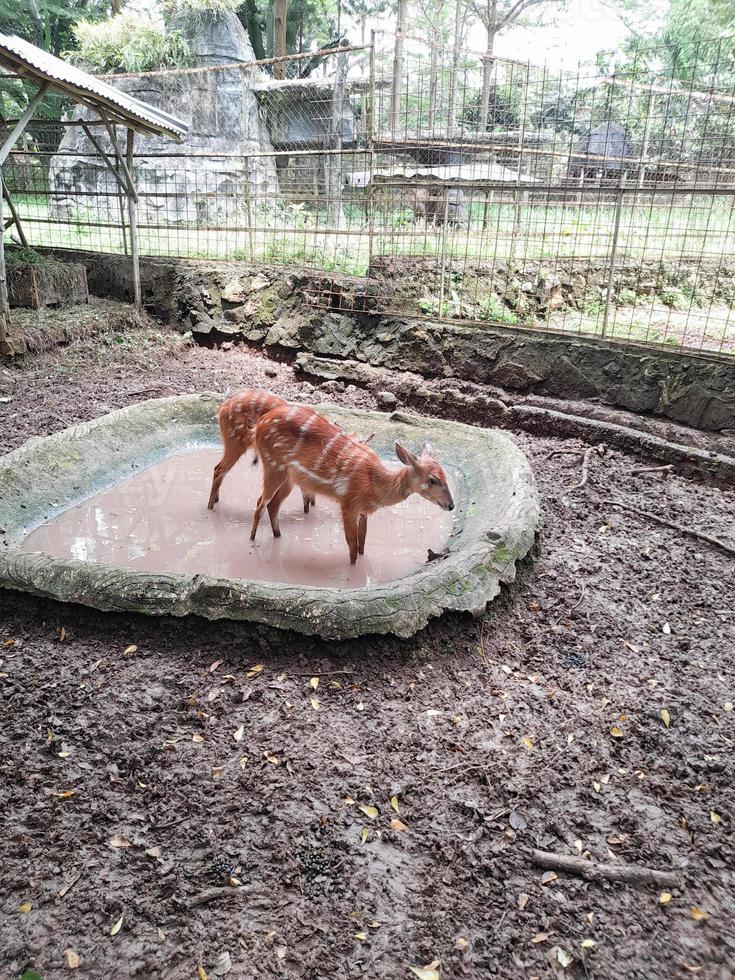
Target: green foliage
{"points": [[128, 43], [696, 39], [48, 23], [204, 8], [16, 257], [492, 309]]}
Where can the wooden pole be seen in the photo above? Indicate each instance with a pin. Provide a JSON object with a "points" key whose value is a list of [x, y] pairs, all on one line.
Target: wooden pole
{"points": [[133, 221], [279, 38], [5, 347], [333, 163]]}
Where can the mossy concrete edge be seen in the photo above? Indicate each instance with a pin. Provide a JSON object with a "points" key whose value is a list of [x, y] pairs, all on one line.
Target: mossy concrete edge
{"points": [[499, 516]]}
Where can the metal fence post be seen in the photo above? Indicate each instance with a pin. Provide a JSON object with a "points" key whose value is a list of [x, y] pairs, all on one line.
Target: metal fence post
{"points": [[371, 154], [613, 256]]}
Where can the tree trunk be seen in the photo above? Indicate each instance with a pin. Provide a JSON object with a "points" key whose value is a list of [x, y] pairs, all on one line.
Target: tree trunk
{"points": [[395, 105], [452, 99], [434, 64], [279, 38], [487, 74], [333, 159]]}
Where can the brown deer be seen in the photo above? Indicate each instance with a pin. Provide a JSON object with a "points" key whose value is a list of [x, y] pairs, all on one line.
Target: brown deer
{"points": [[299, 447]]}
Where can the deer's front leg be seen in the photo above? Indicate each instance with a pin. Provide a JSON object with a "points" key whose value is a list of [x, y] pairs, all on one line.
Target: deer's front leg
{"points": [[349, 521], [361, 532]]}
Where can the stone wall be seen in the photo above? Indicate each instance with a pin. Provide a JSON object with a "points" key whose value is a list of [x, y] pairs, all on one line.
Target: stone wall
{"points": [[272, 309]]}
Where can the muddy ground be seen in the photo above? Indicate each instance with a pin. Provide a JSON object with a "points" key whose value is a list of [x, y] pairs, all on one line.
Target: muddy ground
{"points": [[145, 761]]}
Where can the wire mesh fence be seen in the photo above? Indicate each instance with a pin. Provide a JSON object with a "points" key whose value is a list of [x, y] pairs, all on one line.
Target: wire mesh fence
{"points": [[440, 184]]}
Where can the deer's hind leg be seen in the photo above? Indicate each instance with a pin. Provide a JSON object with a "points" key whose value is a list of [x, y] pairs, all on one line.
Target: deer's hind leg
{"points": [[274, 505], [273, 480]]}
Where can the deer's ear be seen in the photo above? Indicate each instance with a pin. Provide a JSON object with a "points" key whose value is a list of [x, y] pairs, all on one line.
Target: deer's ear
{"points": [[405, 455], [427, 450]]}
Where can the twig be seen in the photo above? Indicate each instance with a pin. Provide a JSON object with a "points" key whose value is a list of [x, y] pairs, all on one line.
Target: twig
{"points": [[604, 872], [687, 531], [564, 452], [213, 895], [571, 609], [665, 470], [316, 673], [600, 450]]}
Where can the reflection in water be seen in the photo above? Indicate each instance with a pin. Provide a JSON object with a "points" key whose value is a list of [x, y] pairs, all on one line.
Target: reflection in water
{"points": [[158, 521]]}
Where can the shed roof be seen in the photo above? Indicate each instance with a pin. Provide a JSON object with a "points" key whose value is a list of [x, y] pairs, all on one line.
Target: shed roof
{"points": [[29, 62]]}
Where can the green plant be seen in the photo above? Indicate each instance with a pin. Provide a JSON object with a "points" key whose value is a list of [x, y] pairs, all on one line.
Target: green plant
{"points": [[673, 298], [128, 43], [15, 257], [202, 9], [492, 308]]}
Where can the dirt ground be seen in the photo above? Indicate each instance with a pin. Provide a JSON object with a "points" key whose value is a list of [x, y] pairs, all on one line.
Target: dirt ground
{"points": [[145, 762]]}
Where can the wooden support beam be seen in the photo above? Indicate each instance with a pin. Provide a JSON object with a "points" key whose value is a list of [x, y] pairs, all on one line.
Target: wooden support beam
{"points": [[14, 219], [133, 221], [5, 348], [20, 126], [130, 188]]}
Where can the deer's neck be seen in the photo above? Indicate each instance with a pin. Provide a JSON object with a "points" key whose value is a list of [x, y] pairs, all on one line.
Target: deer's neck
{"points": [[392, 486]]}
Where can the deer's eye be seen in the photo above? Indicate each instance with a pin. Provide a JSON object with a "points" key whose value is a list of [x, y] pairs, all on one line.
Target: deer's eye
{"points": [[433, 482]]}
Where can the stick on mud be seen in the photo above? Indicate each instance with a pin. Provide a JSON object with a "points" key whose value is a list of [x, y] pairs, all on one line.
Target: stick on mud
{"points": [[627, 873]]}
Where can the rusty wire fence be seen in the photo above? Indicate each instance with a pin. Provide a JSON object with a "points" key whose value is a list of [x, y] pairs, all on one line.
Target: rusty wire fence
{"points": [[438, 184]]}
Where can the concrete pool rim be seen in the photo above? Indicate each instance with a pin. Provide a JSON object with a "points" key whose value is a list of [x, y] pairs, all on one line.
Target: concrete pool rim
{"points": [[498, 519]]}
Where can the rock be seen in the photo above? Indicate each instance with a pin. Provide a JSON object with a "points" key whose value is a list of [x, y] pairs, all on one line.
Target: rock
{"points": [[258, 282], [386, 400], [224, 119], [333, 387], [234, 292], [516, 376], [228, 345], [271, 372]]}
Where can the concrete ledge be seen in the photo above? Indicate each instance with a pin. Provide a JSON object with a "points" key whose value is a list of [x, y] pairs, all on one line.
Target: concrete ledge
{"points": [[498, 519]]}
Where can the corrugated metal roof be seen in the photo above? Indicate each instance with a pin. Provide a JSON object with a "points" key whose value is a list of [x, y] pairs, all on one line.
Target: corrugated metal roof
{"points": [[30, 62], [468, 172]]}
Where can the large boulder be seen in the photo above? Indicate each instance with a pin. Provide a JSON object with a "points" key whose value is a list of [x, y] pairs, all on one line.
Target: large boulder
{"points": [[204, 178]]}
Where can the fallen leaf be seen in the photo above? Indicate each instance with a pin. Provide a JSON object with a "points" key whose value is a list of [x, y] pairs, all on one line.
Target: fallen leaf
{"points": [[528, 743], [118, 841], [425, 972], [616, 840], [362, 936], [522, 901], [616, 732], [63, 755], [548, 876], [214, 666], [314, 682], [699, 915], [605, 779], [314, 702], [197, 738], [25, 907], [461, 943], [62, 634], [690, 968], [517, 820], [154, 852], [201, 973], [72, 959], [728, 705], [540, 937], [398, 825], [214, 693], [370, 811], [394, 803], [714, 816], [565, 958], [223, 965], [238, 733], [62, 794], [666, 629], [364, 834], [597, 786], [255, 670], [665, 717], [579, 845], [117, 927], [588, 944], [273, 759], [664, 898], [590, 917], [244, 761], [161, 934]]}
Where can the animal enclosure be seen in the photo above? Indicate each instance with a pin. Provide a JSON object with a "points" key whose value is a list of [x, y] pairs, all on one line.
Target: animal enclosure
{"points": [[597, 202]]}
